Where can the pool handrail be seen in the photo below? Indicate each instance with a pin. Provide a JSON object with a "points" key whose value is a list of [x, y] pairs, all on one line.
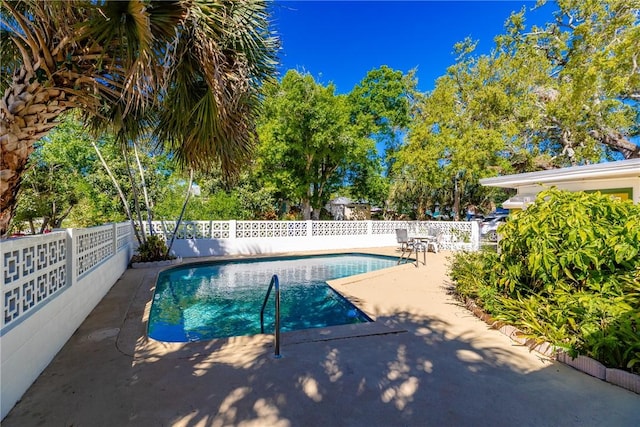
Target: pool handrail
{"points": [[274, 283]]}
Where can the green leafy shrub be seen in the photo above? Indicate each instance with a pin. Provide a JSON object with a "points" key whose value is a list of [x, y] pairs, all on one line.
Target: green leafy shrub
{"points": [[575, 238], [153, 249], [473, 277], [568, 273]]}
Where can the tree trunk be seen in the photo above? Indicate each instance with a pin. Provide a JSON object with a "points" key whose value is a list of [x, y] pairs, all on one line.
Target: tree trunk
{"points": [[616, 141], [27, 112], [306, 209], [45, 224], [184, 208], [134, 192], [144, 189], [119, 190], [421, 209], [315, 214], [456, 200], [58, 221]]}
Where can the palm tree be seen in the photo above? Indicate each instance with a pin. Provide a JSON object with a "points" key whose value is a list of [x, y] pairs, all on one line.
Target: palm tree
{"points": [[189, 69]]}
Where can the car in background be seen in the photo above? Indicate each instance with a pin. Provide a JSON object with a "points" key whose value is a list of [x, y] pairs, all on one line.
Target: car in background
{"points": [[490, 223]]}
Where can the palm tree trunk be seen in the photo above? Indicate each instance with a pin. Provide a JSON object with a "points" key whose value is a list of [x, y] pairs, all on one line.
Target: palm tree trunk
{"points": [[144, 189], [184, 207], [134, 192], [120, 193], [27, 113]]}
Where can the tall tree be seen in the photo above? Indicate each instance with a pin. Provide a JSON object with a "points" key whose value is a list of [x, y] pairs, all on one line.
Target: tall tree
{"points": [[65, 179], [562, 94], [190, 68], [453, 140], [53, 184], [381, 109], [569, 90], [307, 142]]}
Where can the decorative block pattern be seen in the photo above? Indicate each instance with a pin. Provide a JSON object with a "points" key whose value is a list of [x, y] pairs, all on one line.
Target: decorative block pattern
{"points": [[191, 229], [246, 229], [92, 246], [124, 233], [389, 227], [219, 229], [454, 235], [33, 270], [339, 228], [36, 269], [161, 228]]}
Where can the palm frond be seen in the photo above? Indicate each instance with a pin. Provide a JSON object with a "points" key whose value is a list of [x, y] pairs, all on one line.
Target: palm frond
{"points": [[191, 68], [223, 55]]}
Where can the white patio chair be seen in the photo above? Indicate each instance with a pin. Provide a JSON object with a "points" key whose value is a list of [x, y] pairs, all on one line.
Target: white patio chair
{"points": [[408, 246]]}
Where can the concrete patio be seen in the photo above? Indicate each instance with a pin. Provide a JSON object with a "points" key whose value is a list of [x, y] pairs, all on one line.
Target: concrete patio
{"points": [[426, 361]]}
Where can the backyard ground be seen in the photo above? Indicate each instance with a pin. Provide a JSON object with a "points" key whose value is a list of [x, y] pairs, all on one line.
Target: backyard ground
{"points": [[426, 361]]}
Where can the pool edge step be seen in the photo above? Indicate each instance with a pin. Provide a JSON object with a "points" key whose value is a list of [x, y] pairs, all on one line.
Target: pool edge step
{"points": [[340, 332]]}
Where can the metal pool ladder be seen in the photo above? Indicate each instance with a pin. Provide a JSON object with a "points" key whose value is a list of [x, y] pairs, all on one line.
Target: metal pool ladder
{"points": [[275, 283]]}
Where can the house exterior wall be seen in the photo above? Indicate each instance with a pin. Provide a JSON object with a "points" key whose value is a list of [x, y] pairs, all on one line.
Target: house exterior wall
{"points": [[614, 186], [620, 178]]}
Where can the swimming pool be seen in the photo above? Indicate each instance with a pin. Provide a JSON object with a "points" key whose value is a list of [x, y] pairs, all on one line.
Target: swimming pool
{"points": [[223, 299]]}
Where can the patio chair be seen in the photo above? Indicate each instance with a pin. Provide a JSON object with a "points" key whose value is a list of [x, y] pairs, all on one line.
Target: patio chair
{"points": [[408, 246], [435, 238]]}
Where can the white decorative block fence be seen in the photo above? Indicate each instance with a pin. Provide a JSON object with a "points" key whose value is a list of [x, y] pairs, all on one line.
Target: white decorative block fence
{"points": [[51, 282], [211, 238], [33, 273]]}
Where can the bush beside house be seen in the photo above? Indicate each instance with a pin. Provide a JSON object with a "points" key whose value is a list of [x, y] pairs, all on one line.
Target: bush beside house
{"points": [[568, 273]]}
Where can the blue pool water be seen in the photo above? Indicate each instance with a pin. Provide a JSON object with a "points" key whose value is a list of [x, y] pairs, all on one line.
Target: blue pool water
{"points": [[223, 299]]}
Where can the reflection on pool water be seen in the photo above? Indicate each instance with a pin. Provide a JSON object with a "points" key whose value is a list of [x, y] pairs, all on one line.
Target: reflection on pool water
{"points": [[223, 299]]}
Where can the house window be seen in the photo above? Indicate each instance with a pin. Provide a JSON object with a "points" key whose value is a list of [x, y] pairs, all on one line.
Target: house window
{"points": [[618, 193]]}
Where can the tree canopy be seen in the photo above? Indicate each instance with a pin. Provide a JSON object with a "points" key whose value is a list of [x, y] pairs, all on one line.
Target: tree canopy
{"points": [[191, 70], [306, 140], [559, 94], [563, 94]]}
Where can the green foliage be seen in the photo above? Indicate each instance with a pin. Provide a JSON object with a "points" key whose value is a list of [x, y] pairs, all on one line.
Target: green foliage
{"points": [[561, 94], [573, 238], [473, 274], [65, 184], [244, 201], [450, 146], [153, 249], [568, 273], [381, 107], [307, 142], [571, 83]]}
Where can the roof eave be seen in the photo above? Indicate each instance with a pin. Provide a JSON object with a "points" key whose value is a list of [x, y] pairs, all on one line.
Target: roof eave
{"points": [[619, 169]]}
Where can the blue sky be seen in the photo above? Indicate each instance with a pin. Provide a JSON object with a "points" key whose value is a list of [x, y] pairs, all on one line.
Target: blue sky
{"points": [[340, 41]]}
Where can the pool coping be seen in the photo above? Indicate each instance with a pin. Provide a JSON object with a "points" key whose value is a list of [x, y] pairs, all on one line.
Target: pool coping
{"points": [[133, 340]]}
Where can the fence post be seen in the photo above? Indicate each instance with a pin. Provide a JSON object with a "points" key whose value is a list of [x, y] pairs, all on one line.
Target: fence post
{"points": [[71, 257], [115, 237], [475, 235], [309, 228], [233, 226]]}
